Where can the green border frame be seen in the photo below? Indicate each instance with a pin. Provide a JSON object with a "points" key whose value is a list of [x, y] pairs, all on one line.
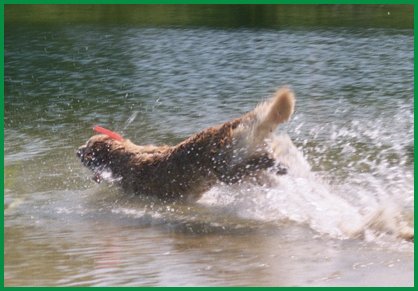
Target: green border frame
{"points": [[121, 2]]}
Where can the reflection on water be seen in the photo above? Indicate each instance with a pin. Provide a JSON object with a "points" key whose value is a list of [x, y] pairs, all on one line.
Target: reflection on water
{"points": [[350, 155], [388, 16]]}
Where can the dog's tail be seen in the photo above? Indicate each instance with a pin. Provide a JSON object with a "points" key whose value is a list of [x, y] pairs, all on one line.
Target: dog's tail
{"points": [[275, 111], [258, 124]]}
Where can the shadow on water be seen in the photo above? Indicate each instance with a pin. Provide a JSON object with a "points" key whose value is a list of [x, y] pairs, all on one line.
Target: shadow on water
{"points": [[229, 16]]}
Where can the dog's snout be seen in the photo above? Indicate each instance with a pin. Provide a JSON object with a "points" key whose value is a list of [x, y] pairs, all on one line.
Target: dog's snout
{"points": [[80, 152], [87, 156]]}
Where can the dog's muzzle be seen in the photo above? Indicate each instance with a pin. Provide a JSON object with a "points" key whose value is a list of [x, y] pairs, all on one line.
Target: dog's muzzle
{"points": [[80, 152], [86, 156]]}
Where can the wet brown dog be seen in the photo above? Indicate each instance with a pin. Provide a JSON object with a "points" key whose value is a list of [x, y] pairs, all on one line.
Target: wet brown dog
{"points": [[228, 153]]}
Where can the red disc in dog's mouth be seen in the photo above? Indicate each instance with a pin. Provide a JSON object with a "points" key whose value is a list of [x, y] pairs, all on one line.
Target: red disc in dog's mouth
{"points": [[108, 132]]}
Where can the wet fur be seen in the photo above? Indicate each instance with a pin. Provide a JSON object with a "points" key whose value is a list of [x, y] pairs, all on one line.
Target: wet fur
{"points": [[228, 153]]}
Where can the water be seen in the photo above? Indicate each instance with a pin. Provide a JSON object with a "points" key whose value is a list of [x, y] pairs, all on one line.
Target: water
{"points": [[335, 219]]}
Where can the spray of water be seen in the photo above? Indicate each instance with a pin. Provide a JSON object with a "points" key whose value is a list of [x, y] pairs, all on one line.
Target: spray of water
{"points": [[130, 120], [344, 180], [306, 197]]}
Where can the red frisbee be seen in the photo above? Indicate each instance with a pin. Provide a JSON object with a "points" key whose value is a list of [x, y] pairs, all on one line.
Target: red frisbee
{"points": [[108, 132]]}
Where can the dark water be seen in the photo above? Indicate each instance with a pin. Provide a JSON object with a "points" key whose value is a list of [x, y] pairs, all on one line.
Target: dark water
{"points": [[160, 78]]}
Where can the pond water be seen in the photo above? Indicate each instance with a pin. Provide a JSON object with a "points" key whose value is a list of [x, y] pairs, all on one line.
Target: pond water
{"points": [[350, 141]]}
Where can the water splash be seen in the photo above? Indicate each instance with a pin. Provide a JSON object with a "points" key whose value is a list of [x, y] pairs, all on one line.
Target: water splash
{"points": [[306, 197], [130, 119]]}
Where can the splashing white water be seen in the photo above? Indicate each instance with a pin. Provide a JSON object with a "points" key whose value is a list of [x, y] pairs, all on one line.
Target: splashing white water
{"points": [[130, 119], [304, 197]]}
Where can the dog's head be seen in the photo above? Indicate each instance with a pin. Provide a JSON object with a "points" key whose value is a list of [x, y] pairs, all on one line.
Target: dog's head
{"points": [[95, 153]]}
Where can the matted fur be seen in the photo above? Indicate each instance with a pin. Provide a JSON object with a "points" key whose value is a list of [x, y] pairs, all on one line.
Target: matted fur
{"points": [[228, 152]]}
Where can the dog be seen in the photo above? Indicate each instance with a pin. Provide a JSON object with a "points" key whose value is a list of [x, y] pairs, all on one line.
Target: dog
{"points": [[228, 153]]}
